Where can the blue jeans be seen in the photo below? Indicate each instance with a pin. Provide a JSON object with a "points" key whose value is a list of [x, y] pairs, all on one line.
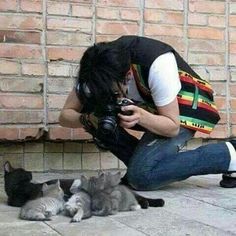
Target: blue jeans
{"points": [[155, 161]]}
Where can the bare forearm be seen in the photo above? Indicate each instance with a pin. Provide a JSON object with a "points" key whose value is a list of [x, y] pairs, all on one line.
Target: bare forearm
{"points": [[159, 124], [70, 118]]}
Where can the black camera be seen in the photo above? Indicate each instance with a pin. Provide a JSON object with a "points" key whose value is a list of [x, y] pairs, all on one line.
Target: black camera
{"points": [[107, 115]]}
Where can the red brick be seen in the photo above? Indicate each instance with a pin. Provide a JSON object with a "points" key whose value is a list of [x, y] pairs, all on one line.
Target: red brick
{"points": [[173, 18], [233, 104], [22, 22], [206, 59], [20, 51], [8, 5], [59, 133], [106, 38], [56, 101], [33, 69], [206, 33], [232, 20], [68, 38], [56, 69], [67, 24], [18, 101], [207, 6], [233, 118], [197, 19], [82, 11], [220, 103], [21, 85], [202, 45], [153, 15], [31, 5], [165, 4], [60, 85], [53, 117], [232, 35], [154, 29], [108, 13], [201, 135], [232, 59], [30, 133], [80, 134], [120, 3], [9, 133], [176, 42], [105, 27], [21, 117], [219, 75], [219, 132], [58, 8], [232, 88], [9, 36], [9, 67], [69, 54], [217, 21], [223, 118], [233, 48], [219, 88], [233, 131], [130, 14]]}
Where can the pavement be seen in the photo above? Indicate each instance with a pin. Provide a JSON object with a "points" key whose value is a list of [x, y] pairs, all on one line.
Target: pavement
{"points": [[196, 206]]}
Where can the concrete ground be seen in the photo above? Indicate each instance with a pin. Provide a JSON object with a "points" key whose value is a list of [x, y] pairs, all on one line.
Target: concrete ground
{"points": [[197, 206]]}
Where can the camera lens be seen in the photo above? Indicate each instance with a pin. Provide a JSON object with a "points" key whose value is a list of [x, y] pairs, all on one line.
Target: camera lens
{"points": [[107, 125]]}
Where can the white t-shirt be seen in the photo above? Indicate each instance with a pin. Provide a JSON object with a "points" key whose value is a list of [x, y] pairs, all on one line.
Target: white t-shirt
{"points": [[163, 81]]}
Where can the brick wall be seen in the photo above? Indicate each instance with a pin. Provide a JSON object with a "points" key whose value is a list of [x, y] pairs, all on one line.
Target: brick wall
{"points": [[42, 41]]}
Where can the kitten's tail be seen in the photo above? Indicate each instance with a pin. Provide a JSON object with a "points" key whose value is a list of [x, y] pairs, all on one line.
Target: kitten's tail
{"points": [[146, 202], [103, 212], [35, 216]]}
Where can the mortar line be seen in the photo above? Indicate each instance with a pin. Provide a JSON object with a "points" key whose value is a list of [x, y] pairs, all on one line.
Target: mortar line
{"points": [[45, 118], [44, 54], [229, 131], [186, 42], [141, 22], [94, 7]]}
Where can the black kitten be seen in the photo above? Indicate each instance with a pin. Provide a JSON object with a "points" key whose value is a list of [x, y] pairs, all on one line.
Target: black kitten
{"points": [[19, 188]]}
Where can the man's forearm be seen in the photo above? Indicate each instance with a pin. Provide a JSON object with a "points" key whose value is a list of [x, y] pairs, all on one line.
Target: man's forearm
{"points": [[70, 118], [159, 124]]}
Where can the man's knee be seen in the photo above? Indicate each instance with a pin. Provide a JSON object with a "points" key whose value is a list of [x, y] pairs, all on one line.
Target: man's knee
{"points": [[137, 179]]}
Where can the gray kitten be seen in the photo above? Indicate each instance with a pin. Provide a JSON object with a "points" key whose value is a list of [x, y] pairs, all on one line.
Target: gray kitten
{"points": [[108, 197], [44, 207], [79, 206]]}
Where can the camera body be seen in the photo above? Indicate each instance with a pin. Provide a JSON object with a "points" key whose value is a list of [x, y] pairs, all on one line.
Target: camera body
{"points": [[108, 119]]}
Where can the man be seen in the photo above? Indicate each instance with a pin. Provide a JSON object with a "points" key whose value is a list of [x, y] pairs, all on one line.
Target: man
{"points": [[140, 83]]}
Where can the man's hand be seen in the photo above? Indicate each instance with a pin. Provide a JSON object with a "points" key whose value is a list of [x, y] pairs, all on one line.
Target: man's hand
{"points": [[128, 121]]}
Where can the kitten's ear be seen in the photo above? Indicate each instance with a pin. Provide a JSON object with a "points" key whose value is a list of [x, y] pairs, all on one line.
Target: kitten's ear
{"points": [[102, 176], [84, 180], [100, 172], [44, 187], [7, 167], [115, 178]]}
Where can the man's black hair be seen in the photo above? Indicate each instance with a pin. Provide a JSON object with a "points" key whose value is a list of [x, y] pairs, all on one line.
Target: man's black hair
{"points": [[101, 66]]}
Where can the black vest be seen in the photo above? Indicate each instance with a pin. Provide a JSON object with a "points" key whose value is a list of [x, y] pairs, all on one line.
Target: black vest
{"points": [[196, 103]]}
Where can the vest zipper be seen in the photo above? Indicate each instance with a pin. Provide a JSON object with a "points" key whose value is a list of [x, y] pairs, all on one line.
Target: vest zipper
{"points": [[195, 98]]}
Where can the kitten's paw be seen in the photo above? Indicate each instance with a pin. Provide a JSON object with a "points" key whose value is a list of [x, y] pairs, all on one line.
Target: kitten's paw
{"points": [[135, 207], [75, 219], [48, 214], [69, 209]]}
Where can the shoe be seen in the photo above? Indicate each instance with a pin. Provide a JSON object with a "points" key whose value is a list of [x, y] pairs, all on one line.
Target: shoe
{"points": [[233, 142], [228, 180]]}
